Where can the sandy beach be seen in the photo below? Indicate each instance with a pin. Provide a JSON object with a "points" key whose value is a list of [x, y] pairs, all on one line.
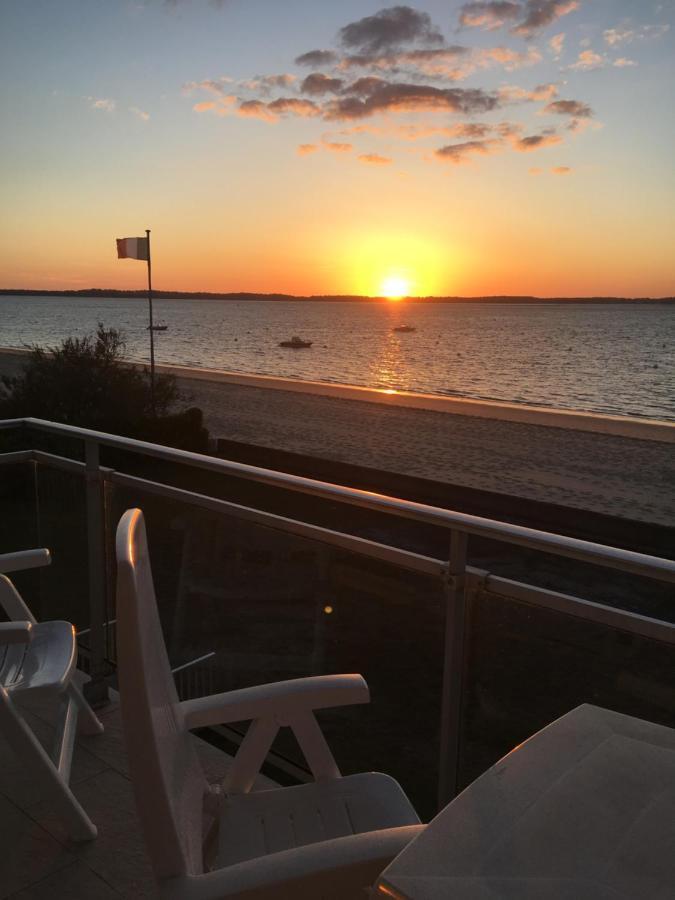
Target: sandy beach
{"points": [[603, 473], [586, 470]]}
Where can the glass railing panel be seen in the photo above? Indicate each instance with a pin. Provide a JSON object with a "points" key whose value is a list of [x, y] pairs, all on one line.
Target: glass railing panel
{"points": [[270, 605], [62, 528], [18, 521], [525, 666]]}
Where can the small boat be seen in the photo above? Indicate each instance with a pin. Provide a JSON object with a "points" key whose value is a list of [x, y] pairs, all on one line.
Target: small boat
{"points": [[405, 328], [296, 343], [157, 327]]}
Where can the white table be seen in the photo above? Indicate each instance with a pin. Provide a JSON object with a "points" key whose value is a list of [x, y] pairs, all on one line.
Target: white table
{"points": [[583, 810]]}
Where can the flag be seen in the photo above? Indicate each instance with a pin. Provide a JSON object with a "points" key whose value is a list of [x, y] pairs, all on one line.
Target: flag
{"points": [[132, 248]]}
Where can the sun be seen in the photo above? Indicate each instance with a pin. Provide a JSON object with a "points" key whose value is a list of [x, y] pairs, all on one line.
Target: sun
{"points": [[394, 287]]}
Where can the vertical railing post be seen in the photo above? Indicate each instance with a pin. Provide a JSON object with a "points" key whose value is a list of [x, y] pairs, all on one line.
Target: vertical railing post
{"points": [[453, 668], [96, 690]]}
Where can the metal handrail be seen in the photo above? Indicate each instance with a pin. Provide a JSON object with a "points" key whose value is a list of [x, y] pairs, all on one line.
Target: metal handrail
{"points": [[548, 542], [454, 573]]}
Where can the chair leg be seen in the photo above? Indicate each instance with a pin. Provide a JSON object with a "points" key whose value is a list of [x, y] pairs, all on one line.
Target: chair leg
{"points": [[88, 721], [31, 752]]}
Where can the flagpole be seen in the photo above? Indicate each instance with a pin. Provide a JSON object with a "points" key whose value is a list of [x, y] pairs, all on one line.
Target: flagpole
{"points": [[151, 329]]}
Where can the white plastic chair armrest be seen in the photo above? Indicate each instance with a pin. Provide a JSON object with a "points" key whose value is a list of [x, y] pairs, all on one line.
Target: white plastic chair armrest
{"points": [[16, 632], [332, 869], [281, 700], [24, 559]]}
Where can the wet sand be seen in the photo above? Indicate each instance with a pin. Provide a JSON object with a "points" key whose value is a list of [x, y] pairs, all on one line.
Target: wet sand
{"points": [[586, 470]]}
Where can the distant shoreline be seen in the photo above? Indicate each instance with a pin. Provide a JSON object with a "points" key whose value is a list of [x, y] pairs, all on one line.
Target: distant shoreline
{"points": [[114, 294]]}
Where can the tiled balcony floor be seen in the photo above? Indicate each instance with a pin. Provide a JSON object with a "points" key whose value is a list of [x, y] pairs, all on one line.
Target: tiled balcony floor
{"points": [[38, 862]]}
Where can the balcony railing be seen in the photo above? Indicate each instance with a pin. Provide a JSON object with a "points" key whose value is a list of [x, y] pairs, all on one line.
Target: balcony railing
{"points": [[263, 575]]}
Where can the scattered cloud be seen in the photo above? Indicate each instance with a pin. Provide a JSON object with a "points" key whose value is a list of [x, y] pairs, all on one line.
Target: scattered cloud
{"points": [[622, 62], [541, 13], [270, 112], [555, 44], [338, 147], [318, 83], [625, 35], [587, 60], [536, 141], [317, 58], [210, 85], [514, 94], [103, 103], [525, 19], [574, 108], [561, 170], [459, 153], [374, 159], [385, 97], [265, 84], [139, 113], [389, 29], [394, 76], [489, 15]]}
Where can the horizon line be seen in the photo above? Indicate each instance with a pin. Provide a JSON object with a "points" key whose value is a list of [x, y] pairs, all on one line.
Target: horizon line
{"points": [[134, 293]]}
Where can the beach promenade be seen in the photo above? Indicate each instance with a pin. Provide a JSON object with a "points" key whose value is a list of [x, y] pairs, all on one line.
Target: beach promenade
{"points": [[616, 475]]}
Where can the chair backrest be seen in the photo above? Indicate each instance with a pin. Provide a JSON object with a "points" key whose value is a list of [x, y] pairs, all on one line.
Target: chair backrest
{"points": [[168, 779]]}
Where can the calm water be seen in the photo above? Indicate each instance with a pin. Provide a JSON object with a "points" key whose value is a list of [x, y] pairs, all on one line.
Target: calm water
{"points": [[604, 358]]}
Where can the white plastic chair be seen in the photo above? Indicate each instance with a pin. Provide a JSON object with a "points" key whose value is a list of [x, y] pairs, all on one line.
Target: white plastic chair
{"points": [[327, 839], [37, 660]]}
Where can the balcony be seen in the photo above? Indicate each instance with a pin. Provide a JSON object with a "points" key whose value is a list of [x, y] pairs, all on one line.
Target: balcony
{"points": [[472, 633]]}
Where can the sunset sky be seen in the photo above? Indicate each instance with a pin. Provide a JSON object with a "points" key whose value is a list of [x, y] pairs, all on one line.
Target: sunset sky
{"points": [[307, 146]]}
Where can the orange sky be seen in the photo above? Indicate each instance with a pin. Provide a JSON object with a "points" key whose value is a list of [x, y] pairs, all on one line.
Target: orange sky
{"points": [[321, 194]]}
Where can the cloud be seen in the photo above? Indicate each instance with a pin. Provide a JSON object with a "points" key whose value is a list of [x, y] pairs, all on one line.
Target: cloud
{"points": [[394, 97], [555, 44], [388, 29], [451, 63], [541, 13], [514, 94], [574, 108], [623, 35], [536, 141], [139, 113], [318, 83], [284, 105], [488, 15], [622, 62], [103, 103], [265, 84], [211, 85], [317, 58], [222, 105], [458, 153], [338, 147], [510, 59], [374, 159], [561, 170], [256, 109], [394, 77], [587, 60], [525, 18]]}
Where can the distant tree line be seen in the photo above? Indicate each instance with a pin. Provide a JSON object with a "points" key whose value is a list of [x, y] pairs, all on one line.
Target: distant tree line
{"points": [[113, 293]]}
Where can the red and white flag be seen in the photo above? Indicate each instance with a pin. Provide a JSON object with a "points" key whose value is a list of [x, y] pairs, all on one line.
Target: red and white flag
{"points": [[132, 248]]}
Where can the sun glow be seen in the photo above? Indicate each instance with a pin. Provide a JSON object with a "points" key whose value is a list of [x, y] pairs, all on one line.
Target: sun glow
{"points": [[395, 287]]}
